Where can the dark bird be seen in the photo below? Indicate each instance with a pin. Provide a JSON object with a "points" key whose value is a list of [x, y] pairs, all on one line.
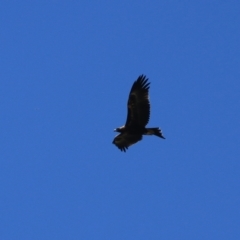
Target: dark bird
{"points": [[137, 117]]}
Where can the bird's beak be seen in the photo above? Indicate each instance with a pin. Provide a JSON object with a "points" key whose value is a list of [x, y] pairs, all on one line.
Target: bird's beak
{"points": [[115, 130]]}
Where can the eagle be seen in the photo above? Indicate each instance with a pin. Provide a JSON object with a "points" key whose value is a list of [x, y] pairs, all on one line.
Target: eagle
{"points": [[138, 107]]}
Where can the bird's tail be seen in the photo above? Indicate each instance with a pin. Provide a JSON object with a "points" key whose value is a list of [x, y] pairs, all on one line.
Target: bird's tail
{"points": [[154, 131]]}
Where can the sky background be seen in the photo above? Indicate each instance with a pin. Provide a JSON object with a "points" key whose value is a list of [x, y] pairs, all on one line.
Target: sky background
{"points": [[66, 69]]}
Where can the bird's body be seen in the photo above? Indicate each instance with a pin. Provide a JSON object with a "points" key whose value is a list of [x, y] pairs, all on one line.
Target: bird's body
{"points": [[137, 117]]}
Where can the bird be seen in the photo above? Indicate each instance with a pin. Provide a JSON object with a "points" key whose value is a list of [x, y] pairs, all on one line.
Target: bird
{"points": [[138, 114]]}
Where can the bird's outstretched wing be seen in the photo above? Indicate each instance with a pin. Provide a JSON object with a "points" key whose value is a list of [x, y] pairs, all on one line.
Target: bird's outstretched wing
{"points": [[138, 103], [125, 140]]}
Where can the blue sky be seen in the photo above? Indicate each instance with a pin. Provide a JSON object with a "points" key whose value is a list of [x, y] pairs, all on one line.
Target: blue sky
{"points": [[66, 69]]}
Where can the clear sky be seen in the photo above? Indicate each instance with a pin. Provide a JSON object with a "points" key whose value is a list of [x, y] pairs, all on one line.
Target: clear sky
{"points": [[66, 69]]}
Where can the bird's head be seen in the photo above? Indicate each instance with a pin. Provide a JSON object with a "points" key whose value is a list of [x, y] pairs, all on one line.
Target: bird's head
{"points": [[119, 129]]}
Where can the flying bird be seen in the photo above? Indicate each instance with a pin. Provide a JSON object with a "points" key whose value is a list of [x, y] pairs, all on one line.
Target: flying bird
{"points": [[138, 115]]}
